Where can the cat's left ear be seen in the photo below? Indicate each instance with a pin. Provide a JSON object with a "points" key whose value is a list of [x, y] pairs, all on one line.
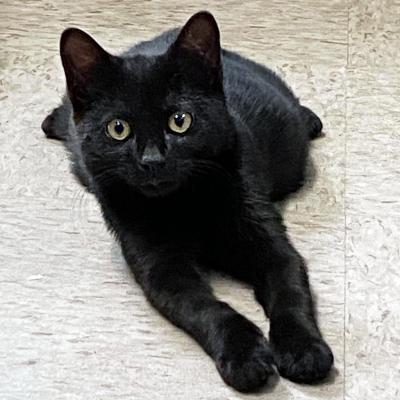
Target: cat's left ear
{"points": [[200, 38], [83, 60]]}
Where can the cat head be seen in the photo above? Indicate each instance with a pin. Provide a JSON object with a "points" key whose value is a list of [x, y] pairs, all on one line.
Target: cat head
{"points": [[151, 121]]}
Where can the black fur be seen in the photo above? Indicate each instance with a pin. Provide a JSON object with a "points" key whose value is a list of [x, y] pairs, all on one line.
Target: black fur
{"points": [[209, 203]]}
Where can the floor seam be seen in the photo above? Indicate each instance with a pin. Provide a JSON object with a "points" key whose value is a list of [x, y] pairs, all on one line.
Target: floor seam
{"points": [[345, 307]]}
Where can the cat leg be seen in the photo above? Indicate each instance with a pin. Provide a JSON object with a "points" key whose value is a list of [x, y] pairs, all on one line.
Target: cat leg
{"points": [[55, 125], [313, 122], [282, 288], [177, 290]]}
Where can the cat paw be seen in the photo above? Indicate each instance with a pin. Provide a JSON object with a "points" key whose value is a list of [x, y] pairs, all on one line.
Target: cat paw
{"points": [[307, 361], [247, 368], [313, 122], [55, 125]]}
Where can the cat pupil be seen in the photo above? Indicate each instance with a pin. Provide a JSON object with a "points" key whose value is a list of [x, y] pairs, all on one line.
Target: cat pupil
{"points": [[119, 127], [179, 119]]}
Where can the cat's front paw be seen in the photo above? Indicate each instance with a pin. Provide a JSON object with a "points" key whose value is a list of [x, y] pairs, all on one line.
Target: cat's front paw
{"points": [[303, 361], [246, 361]]}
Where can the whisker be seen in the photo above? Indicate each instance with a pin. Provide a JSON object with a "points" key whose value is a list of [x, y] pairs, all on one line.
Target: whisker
{"points": [[209, 168]]}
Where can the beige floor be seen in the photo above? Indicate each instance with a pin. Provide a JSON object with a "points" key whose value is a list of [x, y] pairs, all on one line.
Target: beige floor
{"points": [[74, 325]]}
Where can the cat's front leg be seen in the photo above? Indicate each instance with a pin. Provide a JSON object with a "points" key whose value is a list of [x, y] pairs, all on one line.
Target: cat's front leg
{"points": [[172, 283], [282, 288], [301, 353]]}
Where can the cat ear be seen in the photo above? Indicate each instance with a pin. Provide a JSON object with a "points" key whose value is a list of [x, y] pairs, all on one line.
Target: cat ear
{"points": [[200, 36], [81, 56]]}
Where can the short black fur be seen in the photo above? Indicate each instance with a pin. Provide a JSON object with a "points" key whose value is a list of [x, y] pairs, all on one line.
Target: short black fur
{"points": [[181, 204]]}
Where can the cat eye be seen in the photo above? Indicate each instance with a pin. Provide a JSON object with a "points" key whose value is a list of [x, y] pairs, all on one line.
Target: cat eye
{"points": [[179, 122], [118, 129]]}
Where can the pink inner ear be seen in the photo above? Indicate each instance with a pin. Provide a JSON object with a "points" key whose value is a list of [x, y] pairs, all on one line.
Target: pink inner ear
{"points": [[201, 34], [85, 57], [80, 54], [81, 51]]}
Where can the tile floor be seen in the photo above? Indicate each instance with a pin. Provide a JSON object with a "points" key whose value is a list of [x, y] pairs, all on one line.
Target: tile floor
{"points": [[74, 325]]}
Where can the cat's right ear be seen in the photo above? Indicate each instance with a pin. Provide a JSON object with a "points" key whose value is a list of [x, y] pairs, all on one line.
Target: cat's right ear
{"points": [[198, 47], [82, 58]]}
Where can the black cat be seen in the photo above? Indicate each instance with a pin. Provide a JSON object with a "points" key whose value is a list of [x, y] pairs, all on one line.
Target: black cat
{"points": [[186, 147]]}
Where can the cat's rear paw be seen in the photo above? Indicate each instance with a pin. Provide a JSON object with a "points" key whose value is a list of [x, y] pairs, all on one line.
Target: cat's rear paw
{"points": [[307, 362], [247, 367], [313, 122], [55, 125]]}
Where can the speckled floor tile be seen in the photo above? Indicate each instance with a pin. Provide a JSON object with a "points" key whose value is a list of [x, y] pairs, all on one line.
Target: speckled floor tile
{"points": [[374, 33], [270, 30], [373, 140], [71, 310], [373, 216], [373, 303], [323, 89], [372, 202]]}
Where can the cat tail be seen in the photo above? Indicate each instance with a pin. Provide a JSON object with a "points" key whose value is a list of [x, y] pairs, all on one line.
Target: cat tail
{"points": [[55, 125], [313, 123]]}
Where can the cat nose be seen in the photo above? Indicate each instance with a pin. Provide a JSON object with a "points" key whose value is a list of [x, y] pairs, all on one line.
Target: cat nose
{"points": [[151, 156]]}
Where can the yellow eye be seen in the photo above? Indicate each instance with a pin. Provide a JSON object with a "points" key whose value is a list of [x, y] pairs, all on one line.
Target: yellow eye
{"points": [[118, 129], [179, 122]]}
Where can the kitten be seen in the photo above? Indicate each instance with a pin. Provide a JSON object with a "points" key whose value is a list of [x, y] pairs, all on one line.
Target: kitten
{"points": [[186, 146]]}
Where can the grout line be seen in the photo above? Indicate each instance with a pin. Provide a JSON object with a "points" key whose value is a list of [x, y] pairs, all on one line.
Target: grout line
{"points": [[348, 35], [345, 306]]}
